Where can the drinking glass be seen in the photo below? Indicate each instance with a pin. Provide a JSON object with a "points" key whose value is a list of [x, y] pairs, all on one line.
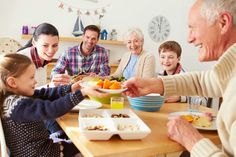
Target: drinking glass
{"points": [[193, 104], [117, 102]]}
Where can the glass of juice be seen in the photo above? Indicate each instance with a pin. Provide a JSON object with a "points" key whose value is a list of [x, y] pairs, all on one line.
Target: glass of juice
{"points": [[117, 102]]}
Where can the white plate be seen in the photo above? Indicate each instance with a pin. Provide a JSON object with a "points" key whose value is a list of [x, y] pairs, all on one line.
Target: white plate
{"points": [[111, 91], [87, 104], [87, 84], [177, 114]]}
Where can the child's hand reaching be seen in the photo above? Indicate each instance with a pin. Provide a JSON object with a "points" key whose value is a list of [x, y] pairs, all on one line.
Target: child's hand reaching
{"points": [[92, 91], [75, 86]]}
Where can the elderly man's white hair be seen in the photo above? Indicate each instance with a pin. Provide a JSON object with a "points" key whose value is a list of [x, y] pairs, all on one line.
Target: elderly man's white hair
{"points": [[211, 9]]}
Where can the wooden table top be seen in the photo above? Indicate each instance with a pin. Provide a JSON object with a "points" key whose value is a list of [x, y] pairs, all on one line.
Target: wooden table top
{"points": [[155, 143]]}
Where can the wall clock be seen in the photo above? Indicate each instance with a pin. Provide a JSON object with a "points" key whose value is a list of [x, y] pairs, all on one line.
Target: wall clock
{"points": [[159, 28]]}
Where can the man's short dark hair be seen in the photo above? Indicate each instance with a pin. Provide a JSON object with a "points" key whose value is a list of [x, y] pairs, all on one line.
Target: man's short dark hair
{"points": [[92, 28]]}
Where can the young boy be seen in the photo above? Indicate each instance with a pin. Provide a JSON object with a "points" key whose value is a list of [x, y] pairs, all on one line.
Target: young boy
{"points": [[170, 55]]}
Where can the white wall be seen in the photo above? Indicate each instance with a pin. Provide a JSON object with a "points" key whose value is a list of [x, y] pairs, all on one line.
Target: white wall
{"points": [[121, 14]]}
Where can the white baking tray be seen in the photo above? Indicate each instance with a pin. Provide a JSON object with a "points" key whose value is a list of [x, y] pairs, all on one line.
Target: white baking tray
{"points": [[122, 122]]}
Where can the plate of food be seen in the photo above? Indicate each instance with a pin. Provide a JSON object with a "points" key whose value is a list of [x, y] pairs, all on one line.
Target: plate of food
{"points": [[107, 86], [201, 121], [87, 104]]}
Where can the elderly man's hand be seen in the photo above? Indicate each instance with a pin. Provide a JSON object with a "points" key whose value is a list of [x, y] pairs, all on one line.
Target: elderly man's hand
{"points": [[183, 132], [143, 86]]}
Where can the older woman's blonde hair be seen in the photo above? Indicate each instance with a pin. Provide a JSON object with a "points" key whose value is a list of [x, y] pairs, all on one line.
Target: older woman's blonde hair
{"points": [[137, 31]]}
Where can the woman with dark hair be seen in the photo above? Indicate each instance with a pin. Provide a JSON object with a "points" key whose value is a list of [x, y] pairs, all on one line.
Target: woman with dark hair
{"points": [[41, 49]]}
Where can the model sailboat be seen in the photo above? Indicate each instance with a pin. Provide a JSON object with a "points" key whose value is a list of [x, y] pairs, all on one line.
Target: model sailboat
{"points": [[78, 27]]}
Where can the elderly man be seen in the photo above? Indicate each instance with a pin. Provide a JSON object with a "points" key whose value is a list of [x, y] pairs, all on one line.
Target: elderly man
{"points": [[212, 28], [87, 58]]}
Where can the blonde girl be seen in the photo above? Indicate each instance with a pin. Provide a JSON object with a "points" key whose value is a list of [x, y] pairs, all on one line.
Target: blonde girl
{"points": [[23, 109]]}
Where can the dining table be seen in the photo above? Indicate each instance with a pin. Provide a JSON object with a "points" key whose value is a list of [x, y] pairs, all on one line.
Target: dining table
{"points": [[154, 144]]}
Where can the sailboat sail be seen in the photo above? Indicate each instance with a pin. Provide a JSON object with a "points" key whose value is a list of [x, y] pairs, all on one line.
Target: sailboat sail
{"points": [[78, 27]]}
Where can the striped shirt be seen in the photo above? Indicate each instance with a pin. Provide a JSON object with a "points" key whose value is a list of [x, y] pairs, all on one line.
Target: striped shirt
{"points": [[205, 101], [74, 62]]}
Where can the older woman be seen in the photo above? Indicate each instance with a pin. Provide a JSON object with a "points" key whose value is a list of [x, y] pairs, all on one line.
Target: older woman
{"points": [[136, 62]]}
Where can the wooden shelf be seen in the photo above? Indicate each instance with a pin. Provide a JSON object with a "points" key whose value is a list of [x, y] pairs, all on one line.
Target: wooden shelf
{"points": [[78, 39]]}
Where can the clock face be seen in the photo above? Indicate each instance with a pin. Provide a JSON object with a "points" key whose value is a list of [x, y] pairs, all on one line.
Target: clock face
{"points": [[159, 28]]}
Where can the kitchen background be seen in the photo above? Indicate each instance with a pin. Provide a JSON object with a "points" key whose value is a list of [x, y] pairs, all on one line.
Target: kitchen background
{"points": [[109, 14]]}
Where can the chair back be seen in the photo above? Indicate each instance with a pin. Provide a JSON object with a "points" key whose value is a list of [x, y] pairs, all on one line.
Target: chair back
{"points": [[4, 149], [8, 45]]}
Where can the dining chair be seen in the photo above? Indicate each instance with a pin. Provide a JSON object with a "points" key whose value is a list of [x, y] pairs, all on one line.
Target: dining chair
{"points": [[4, 149], [9, 45]]}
